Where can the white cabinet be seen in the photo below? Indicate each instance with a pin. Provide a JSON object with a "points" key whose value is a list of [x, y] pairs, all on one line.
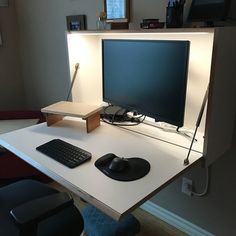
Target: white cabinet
{"points": [[212, 60]]}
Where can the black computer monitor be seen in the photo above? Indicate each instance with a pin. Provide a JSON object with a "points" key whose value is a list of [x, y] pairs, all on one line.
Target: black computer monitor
{"points": [[147, 76], [208, 11]]}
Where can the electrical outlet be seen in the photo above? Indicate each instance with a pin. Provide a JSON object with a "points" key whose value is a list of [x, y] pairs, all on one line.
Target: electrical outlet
{"points": [[187, 186]]}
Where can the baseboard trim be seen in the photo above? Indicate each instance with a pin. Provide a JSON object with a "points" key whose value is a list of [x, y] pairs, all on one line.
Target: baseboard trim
{"points": [[174, 220]]}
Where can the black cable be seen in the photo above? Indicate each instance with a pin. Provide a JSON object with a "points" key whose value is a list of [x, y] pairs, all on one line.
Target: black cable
{"points": [[120, 124], [133, 124], [111, 118], [114, 115]]}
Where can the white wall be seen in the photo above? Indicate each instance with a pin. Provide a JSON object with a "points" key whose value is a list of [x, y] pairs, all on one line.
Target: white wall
{"points": [[46, 75], [42, 25], [11, 83]]}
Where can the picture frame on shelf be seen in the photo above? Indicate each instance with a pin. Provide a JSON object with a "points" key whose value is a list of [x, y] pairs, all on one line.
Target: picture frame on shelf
{"points": [[117, 13], [117, 10], [76, 22]]}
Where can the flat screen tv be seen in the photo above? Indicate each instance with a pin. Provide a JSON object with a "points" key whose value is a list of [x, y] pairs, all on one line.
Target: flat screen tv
{"points": [[147, 76], [208, 11]]}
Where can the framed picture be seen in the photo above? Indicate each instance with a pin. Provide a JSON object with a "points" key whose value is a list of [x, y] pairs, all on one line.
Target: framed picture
{"points": [[117, 10], [76, 22]]}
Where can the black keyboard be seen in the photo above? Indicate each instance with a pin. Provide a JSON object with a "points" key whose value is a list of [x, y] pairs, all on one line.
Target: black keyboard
{"points": [[65, 153]]}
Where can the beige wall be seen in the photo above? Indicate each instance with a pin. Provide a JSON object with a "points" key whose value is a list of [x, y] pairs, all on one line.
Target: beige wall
{"points": [[11, 83]]}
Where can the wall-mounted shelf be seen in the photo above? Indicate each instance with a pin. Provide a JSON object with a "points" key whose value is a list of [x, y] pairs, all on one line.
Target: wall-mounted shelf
{"points": [[147, 31]]}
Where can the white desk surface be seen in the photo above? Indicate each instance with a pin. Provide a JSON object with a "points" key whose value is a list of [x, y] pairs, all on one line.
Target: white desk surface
{"points": [[115, 198], [10, 125]]}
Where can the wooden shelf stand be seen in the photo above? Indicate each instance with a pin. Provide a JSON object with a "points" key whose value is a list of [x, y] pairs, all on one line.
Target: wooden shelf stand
{"points": [[57, 111]]}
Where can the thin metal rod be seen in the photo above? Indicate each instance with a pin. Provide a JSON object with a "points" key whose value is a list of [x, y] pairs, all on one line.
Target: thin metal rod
{"points": [[73, 80], [186, 161]]}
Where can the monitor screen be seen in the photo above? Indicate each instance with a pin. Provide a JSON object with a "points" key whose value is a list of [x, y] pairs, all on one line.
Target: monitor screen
{"points": [[147, 76], [208, 10]]}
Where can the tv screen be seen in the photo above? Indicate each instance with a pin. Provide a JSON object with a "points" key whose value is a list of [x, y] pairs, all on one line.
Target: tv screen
{"points": [[147, 76], [208, 10]]}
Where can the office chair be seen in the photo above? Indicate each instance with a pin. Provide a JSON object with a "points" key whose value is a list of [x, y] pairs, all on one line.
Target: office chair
{"points": [[30, 208]]}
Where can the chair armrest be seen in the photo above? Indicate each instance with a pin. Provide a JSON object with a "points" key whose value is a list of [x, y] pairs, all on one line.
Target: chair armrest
{"points": [[39, 209]]}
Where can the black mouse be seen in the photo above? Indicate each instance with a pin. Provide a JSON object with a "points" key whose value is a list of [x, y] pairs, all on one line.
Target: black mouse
{"points": [[118, 164], [102, 161]]}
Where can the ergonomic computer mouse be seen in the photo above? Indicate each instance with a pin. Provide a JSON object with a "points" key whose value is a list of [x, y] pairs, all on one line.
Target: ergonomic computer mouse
{"points": [[102, 161], [118, 164]]}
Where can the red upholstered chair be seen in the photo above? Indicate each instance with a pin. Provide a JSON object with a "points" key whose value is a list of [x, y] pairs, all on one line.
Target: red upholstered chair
{"points": [[15, 115], [13, 168]]}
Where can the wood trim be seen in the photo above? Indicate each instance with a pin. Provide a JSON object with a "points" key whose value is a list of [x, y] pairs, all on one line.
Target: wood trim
{"points": [[53, 118], [92, 122], [174, 220], [119, 25]]}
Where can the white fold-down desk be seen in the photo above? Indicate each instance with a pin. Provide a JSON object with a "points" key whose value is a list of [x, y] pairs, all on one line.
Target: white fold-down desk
{"points": [[113, 197]]}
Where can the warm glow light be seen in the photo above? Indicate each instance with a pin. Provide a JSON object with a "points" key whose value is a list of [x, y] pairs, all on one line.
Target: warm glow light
{"points": [[85, 48], [130, 32]]}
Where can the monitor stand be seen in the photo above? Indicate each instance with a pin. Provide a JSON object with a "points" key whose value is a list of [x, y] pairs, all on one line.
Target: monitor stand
{"points": [[57, 111]]}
